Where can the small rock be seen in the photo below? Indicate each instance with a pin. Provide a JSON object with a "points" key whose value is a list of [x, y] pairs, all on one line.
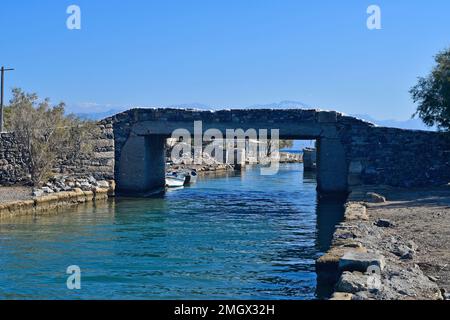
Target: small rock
{"points": [[384, 223], [375, 198], [352, 282], [412, 245], [403, 251], [60, 185], [38, 193], [408, 256], [103, 184], [47, 190], [92, 180], [433, 278]]}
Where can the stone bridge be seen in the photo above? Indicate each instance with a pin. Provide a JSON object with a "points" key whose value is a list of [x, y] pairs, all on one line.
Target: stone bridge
{"points": [[350, 151]]}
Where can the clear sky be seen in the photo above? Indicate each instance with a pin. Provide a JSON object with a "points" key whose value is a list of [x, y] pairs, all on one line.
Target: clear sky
{"points": [[232, 53]]}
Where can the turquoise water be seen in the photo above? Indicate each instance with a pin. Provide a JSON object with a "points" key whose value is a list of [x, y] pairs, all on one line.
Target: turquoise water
{"points": [[236, 236]]}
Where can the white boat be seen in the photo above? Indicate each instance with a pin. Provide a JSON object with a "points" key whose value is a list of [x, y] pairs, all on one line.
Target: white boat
{"points": [[173, 181]]}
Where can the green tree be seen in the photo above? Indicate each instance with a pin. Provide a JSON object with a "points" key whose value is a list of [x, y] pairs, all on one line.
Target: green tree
{"points": [[46, 135], [432, 94], [286, 144], [282, 144]]}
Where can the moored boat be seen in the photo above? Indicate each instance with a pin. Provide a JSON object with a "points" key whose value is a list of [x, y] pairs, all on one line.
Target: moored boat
{"points": [[173, 181]]}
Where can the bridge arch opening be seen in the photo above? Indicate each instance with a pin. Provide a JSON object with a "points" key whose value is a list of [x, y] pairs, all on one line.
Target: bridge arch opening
{"points": [[142, 165]]}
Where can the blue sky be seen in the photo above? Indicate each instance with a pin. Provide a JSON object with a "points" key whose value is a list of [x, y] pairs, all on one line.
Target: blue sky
{"points": [[232, 53]]}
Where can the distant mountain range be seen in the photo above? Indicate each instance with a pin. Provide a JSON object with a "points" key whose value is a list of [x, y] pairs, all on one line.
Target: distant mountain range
{"points": [[412, 124], [96, 114], [287, 104]]}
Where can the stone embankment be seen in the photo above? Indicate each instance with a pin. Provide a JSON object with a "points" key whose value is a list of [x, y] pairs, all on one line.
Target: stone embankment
{"points": [[58, 194], [368, 262]]}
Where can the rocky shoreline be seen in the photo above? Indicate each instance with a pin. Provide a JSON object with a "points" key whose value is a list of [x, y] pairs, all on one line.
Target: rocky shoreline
{"points": [[59, 192], [367, 261], [201, 169]]}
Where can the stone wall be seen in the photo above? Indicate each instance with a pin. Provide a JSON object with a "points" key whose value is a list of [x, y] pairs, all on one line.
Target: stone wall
{"points": [[100, 164], [12, 161], [396, 157]]}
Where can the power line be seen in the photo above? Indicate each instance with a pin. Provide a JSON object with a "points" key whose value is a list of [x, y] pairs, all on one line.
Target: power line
{"points": [[3, 70]]}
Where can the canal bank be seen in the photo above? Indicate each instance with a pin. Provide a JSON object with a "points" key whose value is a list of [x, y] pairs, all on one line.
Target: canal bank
{"points": [[406, 235], [17, 201], [392, 245]]}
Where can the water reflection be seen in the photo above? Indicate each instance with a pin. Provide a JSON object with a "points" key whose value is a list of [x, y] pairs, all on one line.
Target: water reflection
{"points": [[330, 212]]}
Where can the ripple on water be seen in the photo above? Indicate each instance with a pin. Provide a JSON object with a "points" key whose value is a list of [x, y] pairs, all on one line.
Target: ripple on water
{"points": [[239, 236]]}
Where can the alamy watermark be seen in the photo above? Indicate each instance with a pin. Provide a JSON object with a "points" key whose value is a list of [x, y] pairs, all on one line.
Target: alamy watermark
{"points": [[74, 279], [73, 22], [374, 19], [373, 22]]}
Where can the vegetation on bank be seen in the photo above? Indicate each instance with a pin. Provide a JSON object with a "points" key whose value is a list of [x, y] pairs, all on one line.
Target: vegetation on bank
{"points": [[432, 93], [46, 135]]}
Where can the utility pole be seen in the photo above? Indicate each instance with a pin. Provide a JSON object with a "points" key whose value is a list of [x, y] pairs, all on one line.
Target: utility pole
{"points": [[2, 127]]}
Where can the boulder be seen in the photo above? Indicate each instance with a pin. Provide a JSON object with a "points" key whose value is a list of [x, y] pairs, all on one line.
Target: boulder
{"points": [[103, 184], [352, 282], [356, 211], [373, 197], [360, 261]]}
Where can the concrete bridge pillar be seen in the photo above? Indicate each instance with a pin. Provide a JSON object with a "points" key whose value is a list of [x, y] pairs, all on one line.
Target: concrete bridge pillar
{"points": [[142, 165], [332, 170]]}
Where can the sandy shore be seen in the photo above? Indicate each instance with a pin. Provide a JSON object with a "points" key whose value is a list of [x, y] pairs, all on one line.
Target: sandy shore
{"points": [[405, 234], [422, 216]]}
